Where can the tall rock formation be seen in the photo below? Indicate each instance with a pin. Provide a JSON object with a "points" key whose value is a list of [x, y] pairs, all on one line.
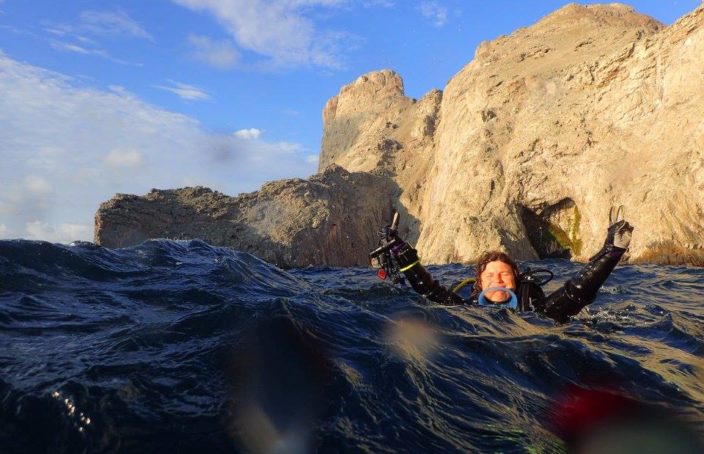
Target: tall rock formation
{"points": [[525, 150], [543, 131], [372, 126]]}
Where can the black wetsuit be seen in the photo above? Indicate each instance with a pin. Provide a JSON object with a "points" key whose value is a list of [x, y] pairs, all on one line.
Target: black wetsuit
{"points": [[563, 303]]}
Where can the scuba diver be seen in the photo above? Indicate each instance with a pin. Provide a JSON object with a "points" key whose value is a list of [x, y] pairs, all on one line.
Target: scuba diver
{"points": [[498, 281]]}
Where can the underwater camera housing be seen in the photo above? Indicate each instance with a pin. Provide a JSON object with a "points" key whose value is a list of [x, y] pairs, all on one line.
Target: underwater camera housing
{"points": [[385, 262]]}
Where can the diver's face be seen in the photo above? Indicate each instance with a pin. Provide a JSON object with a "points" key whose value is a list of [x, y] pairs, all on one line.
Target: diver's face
{"points": [[498, 274]]}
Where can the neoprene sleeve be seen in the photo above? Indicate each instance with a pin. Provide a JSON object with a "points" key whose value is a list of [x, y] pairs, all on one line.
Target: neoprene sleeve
{"points": [[421, 281], [582, 289]]}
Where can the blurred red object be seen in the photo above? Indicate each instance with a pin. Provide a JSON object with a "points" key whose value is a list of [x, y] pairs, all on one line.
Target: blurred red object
{"points": [[594, 421]]}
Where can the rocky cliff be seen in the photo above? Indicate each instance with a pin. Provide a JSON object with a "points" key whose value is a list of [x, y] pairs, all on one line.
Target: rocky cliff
{"points": [[524, 150], [328, 219], [530, 144]]}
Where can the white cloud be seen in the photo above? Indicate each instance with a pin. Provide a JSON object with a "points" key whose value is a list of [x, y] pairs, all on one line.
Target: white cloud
{"points": [[278, 30], [185, 91], [77, 49], [378, 3], [219, 54], [59, 30], [124, 157], [4, 231], [287, 147], [251, 133], [37, 185], [112, 23], [72, 38], [63, 233], [119, 90], [71, 33], [66, 148], [17, 30], [312, 159], [434, 11]]}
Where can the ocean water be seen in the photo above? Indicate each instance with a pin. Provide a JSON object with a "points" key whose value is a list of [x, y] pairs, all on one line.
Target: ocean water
{"points": [[179, 346]]}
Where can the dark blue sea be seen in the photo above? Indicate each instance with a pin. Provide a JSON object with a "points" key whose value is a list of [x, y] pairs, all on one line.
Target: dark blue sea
{"points": [[179, 346]]}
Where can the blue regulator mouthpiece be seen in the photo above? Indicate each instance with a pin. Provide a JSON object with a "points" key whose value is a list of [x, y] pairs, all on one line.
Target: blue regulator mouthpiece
{"points": [[511, 302]]}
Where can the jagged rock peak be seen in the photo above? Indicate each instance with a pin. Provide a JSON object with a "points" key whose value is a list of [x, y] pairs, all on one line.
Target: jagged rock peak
{"points": [[371, 106], [366, 92], [572, 28], [384, 81], [612, 14]]}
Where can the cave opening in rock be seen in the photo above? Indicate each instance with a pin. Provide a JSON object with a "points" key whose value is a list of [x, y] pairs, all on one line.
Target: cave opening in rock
{"points": [[553, 230]]}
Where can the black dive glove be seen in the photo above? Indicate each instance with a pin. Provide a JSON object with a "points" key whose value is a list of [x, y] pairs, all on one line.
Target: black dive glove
{"points": [[619, 234]]}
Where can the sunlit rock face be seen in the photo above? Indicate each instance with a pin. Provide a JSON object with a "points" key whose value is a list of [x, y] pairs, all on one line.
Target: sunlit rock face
{"points": [[525, 150], [371, 126], [530, 144], [327, 219]]}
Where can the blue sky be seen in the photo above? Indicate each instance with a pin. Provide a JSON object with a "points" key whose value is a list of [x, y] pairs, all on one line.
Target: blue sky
{"points": [[128, 95]]}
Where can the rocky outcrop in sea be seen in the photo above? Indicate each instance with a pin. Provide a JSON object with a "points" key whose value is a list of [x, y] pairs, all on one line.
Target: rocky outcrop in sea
{"points": [[327, 219]]}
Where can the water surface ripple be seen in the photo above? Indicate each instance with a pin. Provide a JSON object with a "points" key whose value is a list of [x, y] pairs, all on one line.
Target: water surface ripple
{"points": [[179, 346]]}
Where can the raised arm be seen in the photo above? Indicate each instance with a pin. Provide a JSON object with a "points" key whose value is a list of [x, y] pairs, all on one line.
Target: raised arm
{"points": [[582, 289], [406, 257], [420, 279]]}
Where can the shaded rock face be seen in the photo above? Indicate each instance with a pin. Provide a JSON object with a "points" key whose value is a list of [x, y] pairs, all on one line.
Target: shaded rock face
{"points": [[524, 151], [540, 134], [328, 219]]}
